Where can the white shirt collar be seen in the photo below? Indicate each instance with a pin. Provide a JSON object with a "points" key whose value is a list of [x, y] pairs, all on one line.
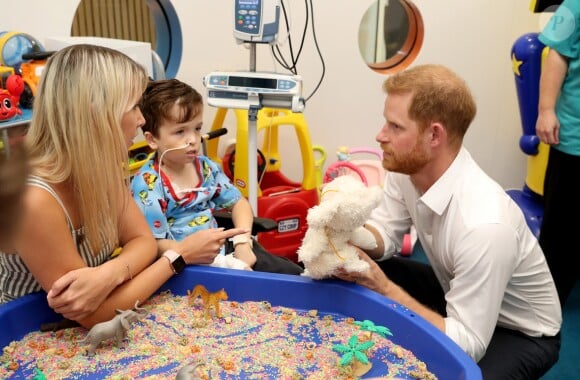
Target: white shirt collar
{"points": [[439, 195]]}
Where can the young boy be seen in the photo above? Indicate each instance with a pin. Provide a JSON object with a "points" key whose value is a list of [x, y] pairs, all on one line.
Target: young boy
{"points": [[178, 189]]}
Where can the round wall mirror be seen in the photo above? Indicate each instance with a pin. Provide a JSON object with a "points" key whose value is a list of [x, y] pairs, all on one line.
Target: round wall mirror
{"points": [[390, 35], [153, 21]]}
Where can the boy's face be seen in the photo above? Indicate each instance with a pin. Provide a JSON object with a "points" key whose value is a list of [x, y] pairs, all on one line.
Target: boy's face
{"points": [[182, 141]]}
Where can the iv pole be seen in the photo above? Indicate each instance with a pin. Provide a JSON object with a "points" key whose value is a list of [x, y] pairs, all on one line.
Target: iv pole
{"points": [[256, 22], [253, 143]]}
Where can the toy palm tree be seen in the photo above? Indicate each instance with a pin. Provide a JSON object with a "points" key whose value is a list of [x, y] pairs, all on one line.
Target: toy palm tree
{"points": [[354, 355], [367, 325], [38, 375]]}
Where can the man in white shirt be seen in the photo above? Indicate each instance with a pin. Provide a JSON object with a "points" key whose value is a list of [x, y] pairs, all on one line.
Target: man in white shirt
{"points": [[488, 286]]}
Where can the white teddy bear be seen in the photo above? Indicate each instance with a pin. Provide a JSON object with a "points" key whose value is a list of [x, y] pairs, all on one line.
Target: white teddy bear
{"points": [[345, 205]]}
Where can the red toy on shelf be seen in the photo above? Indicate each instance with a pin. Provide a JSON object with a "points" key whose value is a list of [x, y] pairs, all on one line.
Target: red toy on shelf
{"points": [[10, 97]]}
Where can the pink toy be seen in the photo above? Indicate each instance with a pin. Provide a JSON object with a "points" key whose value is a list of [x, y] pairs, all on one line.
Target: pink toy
{"points": [[369, 171]]}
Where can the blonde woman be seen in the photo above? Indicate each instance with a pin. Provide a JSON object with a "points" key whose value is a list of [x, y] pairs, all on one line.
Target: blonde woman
{"points": [[77, 206]]}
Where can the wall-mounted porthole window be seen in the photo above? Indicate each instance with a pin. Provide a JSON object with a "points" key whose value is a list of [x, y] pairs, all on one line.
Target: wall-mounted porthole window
{"points": [[153, 21], [390, 35]]}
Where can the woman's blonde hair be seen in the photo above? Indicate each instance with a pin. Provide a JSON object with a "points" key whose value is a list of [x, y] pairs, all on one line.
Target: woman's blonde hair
{"points": [[75, 134]]}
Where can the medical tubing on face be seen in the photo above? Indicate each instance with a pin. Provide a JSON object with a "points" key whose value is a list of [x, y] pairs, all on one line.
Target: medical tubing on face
{"points": [[207, 136], [169, 150], [161, 178]]}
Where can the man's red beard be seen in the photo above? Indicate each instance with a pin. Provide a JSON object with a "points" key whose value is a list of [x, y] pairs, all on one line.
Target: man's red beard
{"points": [[406, 163]]}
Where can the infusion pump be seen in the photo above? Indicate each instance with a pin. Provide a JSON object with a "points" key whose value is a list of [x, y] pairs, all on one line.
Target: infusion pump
{"points": [[256, 20], [245, 89]]}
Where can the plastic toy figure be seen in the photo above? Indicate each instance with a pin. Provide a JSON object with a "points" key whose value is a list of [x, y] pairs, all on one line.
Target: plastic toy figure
{"points": [[190, 371], [526, 59], [115, 328], [354, 355], [208, 299], [10, 97], [31, 71], [343, 153]]}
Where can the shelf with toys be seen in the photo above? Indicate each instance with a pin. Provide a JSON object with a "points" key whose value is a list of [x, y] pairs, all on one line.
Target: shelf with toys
{"points": [[17, 120], [12, 131]]}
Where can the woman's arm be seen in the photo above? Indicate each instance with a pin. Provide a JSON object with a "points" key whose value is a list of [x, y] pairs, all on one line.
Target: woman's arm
{"points": [[88, 295], [140, 288], [83, 291], [202, 246], [44, 241], [148, 273]]}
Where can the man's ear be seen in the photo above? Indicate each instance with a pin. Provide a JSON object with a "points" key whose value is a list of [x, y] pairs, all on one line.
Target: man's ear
{"points": [[150, 140], [438, 134]]}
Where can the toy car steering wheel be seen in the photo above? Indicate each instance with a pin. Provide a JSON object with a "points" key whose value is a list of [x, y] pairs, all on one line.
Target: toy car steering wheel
{"points": [[231, 164]]}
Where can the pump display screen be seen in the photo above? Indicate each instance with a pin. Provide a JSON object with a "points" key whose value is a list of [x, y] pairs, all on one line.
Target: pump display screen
{"points": [[248, 2], [252, 82]]}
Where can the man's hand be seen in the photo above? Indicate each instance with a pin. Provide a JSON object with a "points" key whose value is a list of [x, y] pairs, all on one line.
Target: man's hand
{"points": [[373, 278]]}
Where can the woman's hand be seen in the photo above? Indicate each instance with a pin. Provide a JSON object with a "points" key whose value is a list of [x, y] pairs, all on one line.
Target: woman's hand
{"points": [[80, 292], [203, 246]]}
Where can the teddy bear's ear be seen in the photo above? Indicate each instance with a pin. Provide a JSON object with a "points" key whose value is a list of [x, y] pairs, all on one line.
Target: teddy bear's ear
{"points": [[321, 215]]}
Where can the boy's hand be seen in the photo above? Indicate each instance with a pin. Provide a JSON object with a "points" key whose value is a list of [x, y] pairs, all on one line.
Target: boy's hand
{"points": [[244, 252]]}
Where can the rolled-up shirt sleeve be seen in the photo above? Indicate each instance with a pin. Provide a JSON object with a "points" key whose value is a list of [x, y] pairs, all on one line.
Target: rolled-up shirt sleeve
{"points": [[391, 219]]}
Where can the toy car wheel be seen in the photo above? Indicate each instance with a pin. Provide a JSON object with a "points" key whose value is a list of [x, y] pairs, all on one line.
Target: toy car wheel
{"points": [[27, 97], [231, 161]]}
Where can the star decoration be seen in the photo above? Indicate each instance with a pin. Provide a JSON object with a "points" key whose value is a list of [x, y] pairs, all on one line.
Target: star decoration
{"points": [[516, 65]]}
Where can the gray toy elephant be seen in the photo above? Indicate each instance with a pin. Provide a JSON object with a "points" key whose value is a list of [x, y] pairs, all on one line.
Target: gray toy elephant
{"points": [[188, 372], [115, 328]]}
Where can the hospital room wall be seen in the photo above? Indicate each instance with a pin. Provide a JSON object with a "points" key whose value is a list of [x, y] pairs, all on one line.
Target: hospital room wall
{"points": [[472, 37]]}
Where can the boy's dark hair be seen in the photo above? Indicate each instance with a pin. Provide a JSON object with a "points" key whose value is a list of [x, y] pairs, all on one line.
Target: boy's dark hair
{"points": [[160, 97]]}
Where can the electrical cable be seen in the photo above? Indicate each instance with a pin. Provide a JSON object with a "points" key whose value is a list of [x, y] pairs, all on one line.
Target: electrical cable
{"points": [[319, 54]]}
